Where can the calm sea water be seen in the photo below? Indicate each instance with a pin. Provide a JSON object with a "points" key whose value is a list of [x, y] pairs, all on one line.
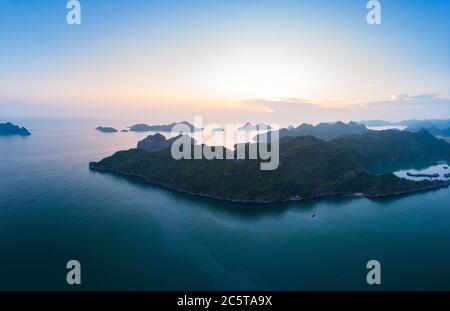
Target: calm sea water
{"points": [[129, 235]]}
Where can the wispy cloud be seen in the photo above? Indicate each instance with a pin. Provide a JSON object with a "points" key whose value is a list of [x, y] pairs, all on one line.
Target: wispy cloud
{"points": [[300, 102], [425, 101]]}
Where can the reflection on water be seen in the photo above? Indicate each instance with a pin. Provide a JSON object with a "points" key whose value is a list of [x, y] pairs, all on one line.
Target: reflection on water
{"points": [[241, 210]]}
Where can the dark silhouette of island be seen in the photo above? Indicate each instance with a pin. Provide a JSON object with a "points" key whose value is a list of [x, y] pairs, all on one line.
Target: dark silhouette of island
{"points": [[159, 142], [161, 128], [325, 131], [106, 129], [254, 127], [309, 168], [7, 129]]}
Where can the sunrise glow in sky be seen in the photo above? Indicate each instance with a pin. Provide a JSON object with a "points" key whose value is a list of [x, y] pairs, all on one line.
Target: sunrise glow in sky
{"points": [[273, 61]]}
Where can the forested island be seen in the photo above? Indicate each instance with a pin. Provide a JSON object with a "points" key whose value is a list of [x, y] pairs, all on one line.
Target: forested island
{"points": [[162, 128], [309, 168]]}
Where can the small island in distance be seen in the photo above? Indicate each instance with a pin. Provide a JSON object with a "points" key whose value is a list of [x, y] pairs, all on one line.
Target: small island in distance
{"points": [[7, 129], [106, 129]]}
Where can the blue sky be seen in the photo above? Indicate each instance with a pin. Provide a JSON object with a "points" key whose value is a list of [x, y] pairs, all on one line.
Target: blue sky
{"points": [[259, 59]]}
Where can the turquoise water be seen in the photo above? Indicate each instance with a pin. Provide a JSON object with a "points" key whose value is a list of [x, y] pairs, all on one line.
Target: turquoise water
{"points": [[439, 169], [129, 235]]}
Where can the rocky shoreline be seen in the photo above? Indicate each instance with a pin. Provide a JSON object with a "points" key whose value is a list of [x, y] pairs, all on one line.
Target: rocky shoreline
{"points": [[439, 184]]}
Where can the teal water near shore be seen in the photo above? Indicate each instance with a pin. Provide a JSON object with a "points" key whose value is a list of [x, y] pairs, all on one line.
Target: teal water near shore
{"points": [[132, 236]]}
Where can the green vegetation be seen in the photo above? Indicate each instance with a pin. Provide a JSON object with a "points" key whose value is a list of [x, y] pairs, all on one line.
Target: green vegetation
{"points": [[381, 147], [309, 167], [159, 142]]}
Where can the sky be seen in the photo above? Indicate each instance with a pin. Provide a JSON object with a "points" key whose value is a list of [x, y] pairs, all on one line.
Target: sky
{"points": [[277, 61]]}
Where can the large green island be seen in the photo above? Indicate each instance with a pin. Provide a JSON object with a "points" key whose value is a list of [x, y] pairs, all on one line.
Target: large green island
{"points": [[309, 168]]}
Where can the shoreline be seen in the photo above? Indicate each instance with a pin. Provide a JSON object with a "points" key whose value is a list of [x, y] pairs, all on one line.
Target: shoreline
{"points": [[441, 184]]}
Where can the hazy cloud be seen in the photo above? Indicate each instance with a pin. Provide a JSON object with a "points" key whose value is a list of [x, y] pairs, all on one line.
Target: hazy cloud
{"points": [[403, 100]]}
